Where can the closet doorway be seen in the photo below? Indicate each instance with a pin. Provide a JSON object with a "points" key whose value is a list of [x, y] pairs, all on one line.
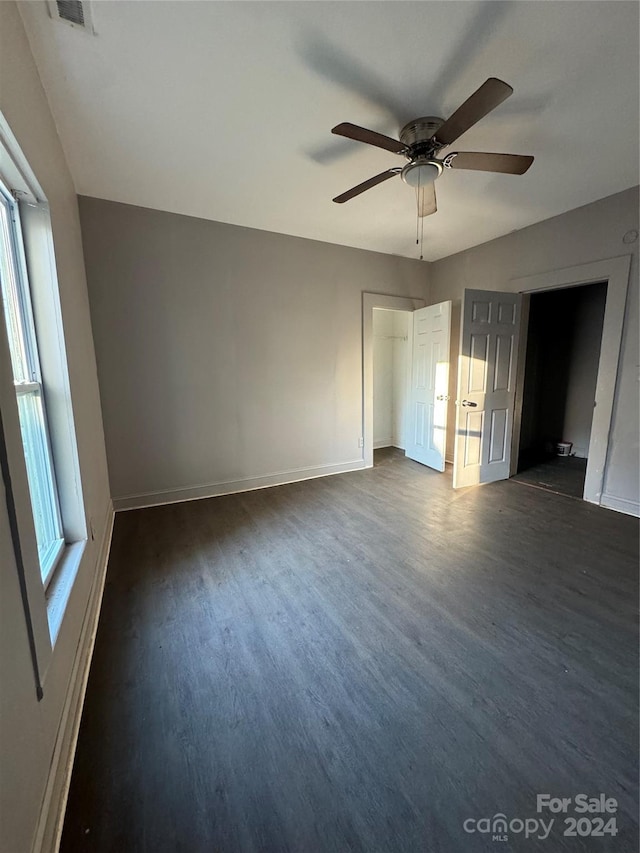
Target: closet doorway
{"points": [[390, 377], [564, 338]]}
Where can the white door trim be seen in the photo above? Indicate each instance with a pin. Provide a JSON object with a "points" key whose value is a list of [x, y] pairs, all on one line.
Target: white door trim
{"points": [[369, 302], [615, 272]]}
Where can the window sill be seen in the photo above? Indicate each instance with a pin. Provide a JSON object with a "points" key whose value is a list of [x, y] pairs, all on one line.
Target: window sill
{"points": [[59, 590]]}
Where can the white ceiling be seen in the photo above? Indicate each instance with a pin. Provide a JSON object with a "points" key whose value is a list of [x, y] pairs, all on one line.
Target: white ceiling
{"points": [[223, 110]]}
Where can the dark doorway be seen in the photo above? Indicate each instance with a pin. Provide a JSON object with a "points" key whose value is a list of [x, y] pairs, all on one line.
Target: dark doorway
{"points": [[561, 369]]}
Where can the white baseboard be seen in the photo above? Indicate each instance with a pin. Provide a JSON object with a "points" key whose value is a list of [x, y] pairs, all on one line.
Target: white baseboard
{"points": [[49, 831], [621, 505], [247, 484], [385, 442]]}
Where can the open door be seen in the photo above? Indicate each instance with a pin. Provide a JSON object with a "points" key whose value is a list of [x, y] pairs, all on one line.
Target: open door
{"points": [[489, 336], [429, 337]]}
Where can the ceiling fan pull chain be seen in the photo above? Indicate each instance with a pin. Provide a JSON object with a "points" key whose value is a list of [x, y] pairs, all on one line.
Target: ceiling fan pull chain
{"points": [[420, 222], [418, 211]]}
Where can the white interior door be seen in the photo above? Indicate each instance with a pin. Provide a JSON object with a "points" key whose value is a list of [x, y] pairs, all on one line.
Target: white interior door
{"points": [[429, 337], [486, 386]]}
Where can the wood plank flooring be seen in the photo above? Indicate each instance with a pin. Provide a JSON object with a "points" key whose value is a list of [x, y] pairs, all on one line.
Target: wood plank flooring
{"points": [[359, 663], [563, 475]]}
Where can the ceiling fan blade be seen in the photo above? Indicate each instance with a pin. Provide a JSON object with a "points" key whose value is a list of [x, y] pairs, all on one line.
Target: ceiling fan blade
{"points": [[510, 164], [427, 200], [492, 93], [361, 134], [366, 185]]}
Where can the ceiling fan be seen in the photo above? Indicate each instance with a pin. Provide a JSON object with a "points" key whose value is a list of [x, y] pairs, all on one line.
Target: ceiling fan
{"points": [[422, 139]]}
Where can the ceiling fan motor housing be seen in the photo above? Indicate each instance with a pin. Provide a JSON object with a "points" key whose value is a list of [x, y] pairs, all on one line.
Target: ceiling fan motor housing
{"points": [[418, 134]]}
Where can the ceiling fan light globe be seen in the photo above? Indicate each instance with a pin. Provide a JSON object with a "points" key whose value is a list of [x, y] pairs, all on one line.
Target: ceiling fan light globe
{"points": [[421, 174]]}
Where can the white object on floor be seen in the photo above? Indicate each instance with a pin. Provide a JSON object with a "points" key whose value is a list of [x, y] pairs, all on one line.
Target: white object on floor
{"points": [[563, 448]]}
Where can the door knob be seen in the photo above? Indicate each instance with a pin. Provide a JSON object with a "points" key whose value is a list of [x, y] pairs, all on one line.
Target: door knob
{"points": [[469, 403]]}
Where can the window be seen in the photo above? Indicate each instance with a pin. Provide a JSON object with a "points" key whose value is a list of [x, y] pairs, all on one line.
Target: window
{"points": [[38, 442], [18, 314]]}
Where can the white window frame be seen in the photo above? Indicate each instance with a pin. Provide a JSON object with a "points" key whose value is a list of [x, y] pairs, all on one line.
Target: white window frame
{"points": [[33, 386], [44, 607]]}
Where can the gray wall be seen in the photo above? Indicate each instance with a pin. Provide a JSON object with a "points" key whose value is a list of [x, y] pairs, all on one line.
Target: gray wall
{"points": [[583, 367], [28, 728], [226, 354], [588, 234]]}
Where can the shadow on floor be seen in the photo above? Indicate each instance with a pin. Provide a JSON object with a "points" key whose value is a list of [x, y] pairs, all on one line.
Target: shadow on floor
{"points": [[562, 475], [386, 456]]}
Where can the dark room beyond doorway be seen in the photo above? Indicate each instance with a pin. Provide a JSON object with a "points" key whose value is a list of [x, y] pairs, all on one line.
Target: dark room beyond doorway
{"points": [[563, 352]]}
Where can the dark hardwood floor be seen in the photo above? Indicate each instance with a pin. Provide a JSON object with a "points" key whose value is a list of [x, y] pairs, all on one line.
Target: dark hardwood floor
{"points": [[560, 474], [359, 663]]}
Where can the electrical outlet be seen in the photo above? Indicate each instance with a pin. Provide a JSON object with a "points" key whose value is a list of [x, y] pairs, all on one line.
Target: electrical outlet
{"points": [[361, 442]]}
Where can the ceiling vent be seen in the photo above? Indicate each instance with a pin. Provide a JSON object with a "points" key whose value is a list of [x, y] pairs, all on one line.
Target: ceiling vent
{"points": [[75, 13]]}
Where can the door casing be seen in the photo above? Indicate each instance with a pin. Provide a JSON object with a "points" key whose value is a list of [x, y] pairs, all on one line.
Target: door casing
{"points": [[615, 272]]}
